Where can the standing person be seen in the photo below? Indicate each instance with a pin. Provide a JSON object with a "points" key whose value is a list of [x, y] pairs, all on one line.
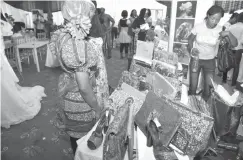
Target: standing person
{"points": [[39, 23], [107, 20], [124, 38], [205, 37], [133, 16], [231, 21], [140, 20], [83, 87], [237, 31], [148, 18]]}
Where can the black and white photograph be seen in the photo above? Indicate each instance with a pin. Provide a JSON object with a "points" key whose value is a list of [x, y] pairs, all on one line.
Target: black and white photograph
{"points": [[119, 79], [186, 9], [183, 29]]}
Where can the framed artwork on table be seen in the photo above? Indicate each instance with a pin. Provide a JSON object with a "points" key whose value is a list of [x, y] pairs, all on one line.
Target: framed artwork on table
{"points": [[186, 9], [183, 29]]}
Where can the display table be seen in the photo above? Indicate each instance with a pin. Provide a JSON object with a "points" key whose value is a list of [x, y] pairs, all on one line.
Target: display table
{"points": [[30, 45]]}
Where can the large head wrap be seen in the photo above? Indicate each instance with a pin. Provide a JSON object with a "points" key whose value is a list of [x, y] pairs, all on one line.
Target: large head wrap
{"points": [[78, 15]]}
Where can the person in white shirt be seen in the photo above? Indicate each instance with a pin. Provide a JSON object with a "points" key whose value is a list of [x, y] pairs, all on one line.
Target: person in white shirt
{"points": [[237, 31], [231, 21], [204, 37]]}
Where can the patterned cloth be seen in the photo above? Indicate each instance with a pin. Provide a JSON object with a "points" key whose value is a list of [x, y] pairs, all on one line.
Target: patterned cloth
{"points": [[75, 54], [76, 111]]}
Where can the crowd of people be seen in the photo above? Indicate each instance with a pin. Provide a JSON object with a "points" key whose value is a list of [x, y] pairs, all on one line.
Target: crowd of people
{"points": [[80, 48]]}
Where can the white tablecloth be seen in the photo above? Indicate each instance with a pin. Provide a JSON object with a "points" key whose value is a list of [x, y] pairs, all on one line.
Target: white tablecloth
{"points": [[51, 60]]}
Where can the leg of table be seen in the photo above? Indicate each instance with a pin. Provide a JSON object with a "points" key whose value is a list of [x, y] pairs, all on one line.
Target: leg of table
{"points": [[18, 59], [36, 60]]}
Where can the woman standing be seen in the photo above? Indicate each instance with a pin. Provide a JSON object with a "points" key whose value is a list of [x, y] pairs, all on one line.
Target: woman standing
{"points": [[237, 31], [83, 87], [124, 38], [231, 21], [133, 16], [140, 20], [205, 37]]}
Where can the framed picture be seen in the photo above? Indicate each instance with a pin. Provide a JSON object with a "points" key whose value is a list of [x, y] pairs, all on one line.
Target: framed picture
{"points": [[186, 9], [183, 29], [181, 50]]}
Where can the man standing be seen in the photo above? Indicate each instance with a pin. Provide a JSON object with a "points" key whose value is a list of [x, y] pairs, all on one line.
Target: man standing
{"points": [[39, 23], [106, 21]]}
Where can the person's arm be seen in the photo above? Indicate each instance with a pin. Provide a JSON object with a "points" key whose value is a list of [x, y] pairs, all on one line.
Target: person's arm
{"points": [[119, 27], [191, 40], [86, 91], [112, 21], [232, 38]]}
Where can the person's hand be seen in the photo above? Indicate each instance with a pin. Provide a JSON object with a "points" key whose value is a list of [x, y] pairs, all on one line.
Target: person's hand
{"points": [[99, 113], [224, 33]]}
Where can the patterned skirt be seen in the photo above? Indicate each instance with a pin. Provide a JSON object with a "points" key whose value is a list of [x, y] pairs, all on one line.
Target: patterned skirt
{"points": [[77, 115]]}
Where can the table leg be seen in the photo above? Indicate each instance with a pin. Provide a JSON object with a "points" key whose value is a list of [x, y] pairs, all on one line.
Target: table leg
{"points": [[18, 59], [36, 60]]}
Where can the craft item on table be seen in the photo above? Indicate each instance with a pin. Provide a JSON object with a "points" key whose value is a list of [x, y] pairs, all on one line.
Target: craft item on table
{"points": [[84, 153], [163, 45], [184, 95], [226, 118], [167, 57], [96, 138], [115, 144], [139, 69], [144, 52], [150, 35], [129, 78], [161, 85], [198, 104], [163, 68], [180, 141], [181, 157], [198, 126], [118, 97], [133, 80], [144, 26], [224, 94], [168, 117]]}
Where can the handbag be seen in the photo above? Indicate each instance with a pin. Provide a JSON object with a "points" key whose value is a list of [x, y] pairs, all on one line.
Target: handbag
{"points": [[226, 57], [116, 141], [168, 117]]}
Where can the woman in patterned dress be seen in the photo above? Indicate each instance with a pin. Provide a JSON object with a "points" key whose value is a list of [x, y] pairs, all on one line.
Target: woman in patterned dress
{"points": [[83, 87]]}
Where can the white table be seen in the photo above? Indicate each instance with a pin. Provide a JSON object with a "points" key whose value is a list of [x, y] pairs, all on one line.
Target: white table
{"points": [[30, 45]]}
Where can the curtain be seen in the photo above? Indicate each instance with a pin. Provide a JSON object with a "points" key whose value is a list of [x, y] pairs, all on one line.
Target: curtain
{"points": [[57, 18], [230, 5], [18, 14]]}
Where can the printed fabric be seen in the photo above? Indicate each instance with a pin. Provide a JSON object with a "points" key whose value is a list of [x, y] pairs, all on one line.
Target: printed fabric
{"points": [[78, 116]]}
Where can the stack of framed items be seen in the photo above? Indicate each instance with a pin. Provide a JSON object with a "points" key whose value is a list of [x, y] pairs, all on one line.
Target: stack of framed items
{"points": [[185, 19]]}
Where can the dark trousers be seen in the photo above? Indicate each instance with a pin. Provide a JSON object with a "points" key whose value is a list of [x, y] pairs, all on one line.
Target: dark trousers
{"points": [[122, 46], [74, 144], [208, 70], [39, 31], [238, 56]]}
